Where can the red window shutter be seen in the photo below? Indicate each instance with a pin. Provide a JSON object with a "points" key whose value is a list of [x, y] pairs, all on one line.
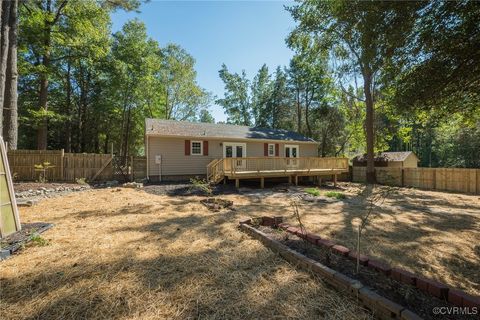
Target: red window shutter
{"points": [[277, 149], [187, 147], [265, 149], [205, 148]]}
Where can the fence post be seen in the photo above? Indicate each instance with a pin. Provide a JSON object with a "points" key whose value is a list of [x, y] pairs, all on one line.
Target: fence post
{"points": [[131, 170], [73, 166], [61, 164], [434, 175], [402, 182], [477, 180]]}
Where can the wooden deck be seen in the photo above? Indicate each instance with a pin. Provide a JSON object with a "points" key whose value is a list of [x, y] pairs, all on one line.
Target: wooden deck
{"points": [[273, 167]]}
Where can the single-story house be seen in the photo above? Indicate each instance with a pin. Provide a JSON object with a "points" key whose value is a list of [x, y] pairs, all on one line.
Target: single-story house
{"points": [[404, 159], [178, 150]]}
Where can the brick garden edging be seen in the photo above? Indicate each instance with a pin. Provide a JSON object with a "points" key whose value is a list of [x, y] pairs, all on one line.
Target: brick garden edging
{"points": [[432, 287], [380, 306]]}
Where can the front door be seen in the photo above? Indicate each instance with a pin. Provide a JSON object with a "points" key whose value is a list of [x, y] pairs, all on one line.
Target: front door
{"points": [[235, 150], [291, 152]]}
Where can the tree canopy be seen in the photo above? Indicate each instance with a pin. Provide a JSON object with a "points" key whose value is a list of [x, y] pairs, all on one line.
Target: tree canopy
{"points": [[365, 76]]}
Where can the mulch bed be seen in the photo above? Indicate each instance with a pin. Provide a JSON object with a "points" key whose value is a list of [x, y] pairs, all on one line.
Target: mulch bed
{"points": [[18, 239], [403, 294], [186, 189]]}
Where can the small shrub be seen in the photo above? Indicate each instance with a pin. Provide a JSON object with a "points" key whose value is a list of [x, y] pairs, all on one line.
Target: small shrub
{"points": [[335, 194], [202, 185], [81, 181], [38, 240], [43, 169], [313, 191]]}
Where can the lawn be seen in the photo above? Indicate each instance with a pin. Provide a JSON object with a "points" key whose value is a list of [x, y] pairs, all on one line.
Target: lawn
{"points": [[124, 253]]}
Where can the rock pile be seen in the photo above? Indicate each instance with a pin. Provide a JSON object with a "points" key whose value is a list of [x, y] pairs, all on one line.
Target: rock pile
{"points": [[49, 192]]}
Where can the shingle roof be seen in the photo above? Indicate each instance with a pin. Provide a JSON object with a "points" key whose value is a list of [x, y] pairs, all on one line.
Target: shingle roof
{"points": [[212, 130], [386, 156]]}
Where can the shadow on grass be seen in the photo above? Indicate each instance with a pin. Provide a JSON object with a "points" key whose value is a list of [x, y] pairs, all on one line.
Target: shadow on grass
{"points": [[212, 283]]}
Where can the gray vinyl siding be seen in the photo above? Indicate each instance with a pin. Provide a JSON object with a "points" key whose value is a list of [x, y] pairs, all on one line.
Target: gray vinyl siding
{"points": [[175, 162]]}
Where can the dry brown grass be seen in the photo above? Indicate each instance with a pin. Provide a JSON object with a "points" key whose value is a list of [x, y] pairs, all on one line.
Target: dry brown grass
{"points": [[130, 254], [436, 234]]}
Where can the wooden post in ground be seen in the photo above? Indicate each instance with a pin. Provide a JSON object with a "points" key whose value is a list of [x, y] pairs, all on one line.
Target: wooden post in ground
{"points": [[224, 180], [262, 182], [289, 179], [296, 180], [62, 157], [319, 181], [237, 183], [132, 176], [73, 160], [335, 180]]}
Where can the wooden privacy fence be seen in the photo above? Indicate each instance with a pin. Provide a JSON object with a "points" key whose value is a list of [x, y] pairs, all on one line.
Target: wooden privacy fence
{"points": [[445, 179], [22, 164], [90, 166], [138, 168], [73, 166], [64, 166]]}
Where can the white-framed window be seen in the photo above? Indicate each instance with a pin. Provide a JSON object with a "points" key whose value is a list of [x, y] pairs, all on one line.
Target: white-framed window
{"points": [[271, 150], [196, 148]]}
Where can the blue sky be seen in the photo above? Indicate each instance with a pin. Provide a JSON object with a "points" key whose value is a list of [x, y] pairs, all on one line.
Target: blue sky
{"points": [[241, 34]]}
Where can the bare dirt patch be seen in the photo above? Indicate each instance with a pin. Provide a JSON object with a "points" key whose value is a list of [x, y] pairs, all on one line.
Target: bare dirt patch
{"points": [[217, 204], [125, 253]]}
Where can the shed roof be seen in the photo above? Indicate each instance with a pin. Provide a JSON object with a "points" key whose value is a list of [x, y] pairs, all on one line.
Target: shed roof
{"points": [[211, 130], [386, 156]]}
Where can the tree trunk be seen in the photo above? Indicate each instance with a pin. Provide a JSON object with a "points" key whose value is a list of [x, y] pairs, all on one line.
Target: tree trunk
{"points": [[299, 111], [4, 48], [369, 121], [127, 135], [42, 131], [10, 116], [107, 142], [307, 111], [85, 87], [68, 108]]}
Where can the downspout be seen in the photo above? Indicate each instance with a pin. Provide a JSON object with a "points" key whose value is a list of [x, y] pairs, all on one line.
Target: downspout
{"points": [[147, 155]]}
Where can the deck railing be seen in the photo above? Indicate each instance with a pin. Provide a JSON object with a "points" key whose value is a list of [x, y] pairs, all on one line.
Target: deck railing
{"points": [[215, 170], [218, 168], [262, 164]]}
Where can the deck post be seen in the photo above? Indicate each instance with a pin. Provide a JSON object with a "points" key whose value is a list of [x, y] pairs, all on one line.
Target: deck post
{"points": [[296, 180], [237, 183], [289, 179], [262, 182], [335, 180], [224, 180], [319, 181]]}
